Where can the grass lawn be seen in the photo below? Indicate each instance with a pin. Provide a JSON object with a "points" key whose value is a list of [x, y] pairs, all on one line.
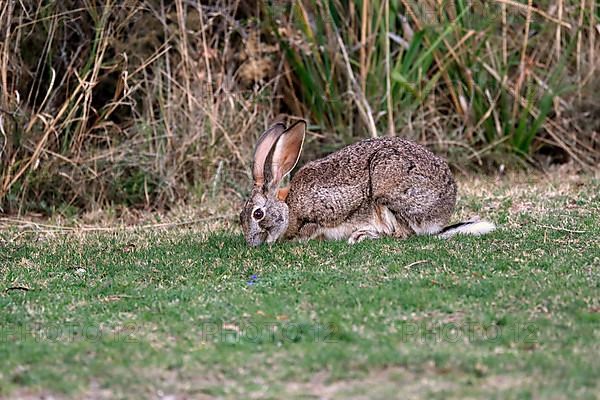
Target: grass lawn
{"points": [[194, 313]]}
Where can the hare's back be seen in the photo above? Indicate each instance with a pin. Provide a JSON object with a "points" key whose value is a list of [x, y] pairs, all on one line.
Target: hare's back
{"points": [[329, 189], [350, 165]]}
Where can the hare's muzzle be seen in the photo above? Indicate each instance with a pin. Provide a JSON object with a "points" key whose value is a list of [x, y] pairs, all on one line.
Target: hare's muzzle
{"points": [[256, 239]]}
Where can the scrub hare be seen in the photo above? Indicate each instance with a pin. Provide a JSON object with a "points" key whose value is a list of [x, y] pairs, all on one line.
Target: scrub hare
{"points": [[376, 187]]}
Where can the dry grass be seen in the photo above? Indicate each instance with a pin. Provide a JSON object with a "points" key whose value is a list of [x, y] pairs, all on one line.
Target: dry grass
{"points": [[476, 81], [129, 103], [151, 104]]}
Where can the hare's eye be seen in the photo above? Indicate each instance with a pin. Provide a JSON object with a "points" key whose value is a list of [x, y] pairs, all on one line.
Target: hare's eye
{"points": [[258, 214]]}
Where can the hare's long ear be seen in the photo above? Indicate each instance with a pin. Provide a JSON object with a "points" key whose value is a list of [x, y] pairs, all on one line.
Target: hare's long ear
{"points": [[263, 148], [287, 152]]}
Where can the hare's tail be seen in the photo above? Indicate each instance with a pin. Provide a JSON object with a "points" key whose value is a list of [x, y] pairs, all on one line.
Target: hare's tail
{"points": [[474, 227]]}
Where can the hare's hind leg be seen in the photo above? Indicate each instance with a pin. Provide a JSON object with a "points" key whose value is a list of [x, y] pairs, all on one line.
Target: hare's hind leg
{"points": [[421, 200], [390, 223], [383, 223], [366, 232]]}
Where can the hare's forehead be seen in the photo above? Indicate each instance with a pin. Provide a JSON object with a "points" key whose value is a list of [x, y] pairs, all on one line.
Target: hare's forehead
{"points": [[258, 200]]}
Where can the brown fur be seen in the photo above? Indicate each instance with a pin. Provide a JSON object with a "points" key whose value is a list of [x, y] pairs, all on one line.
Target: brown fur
{"points": [[346, 186], [376, 187]]}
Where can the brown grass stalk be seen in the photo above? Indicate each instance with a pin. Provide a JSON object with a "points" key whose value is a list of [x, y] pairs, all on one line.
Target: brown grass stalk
{"points": [[527, 8]]}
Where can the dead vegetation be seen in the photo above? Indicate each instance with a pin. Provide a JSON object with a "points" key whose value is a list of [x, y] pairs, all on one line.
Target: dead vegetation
{"points": [[148, 104]]}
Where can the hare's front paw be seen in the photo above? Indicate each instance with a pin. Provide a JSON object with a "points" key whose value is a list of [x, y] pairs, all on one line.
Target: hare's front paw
{"points": [[363, 233], [309, 231]]}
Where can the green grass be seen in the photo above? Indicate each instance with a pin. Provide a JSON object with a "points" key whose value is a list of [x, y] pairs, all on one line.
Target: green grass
{"points": [[513, 314], [460, 56]]}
